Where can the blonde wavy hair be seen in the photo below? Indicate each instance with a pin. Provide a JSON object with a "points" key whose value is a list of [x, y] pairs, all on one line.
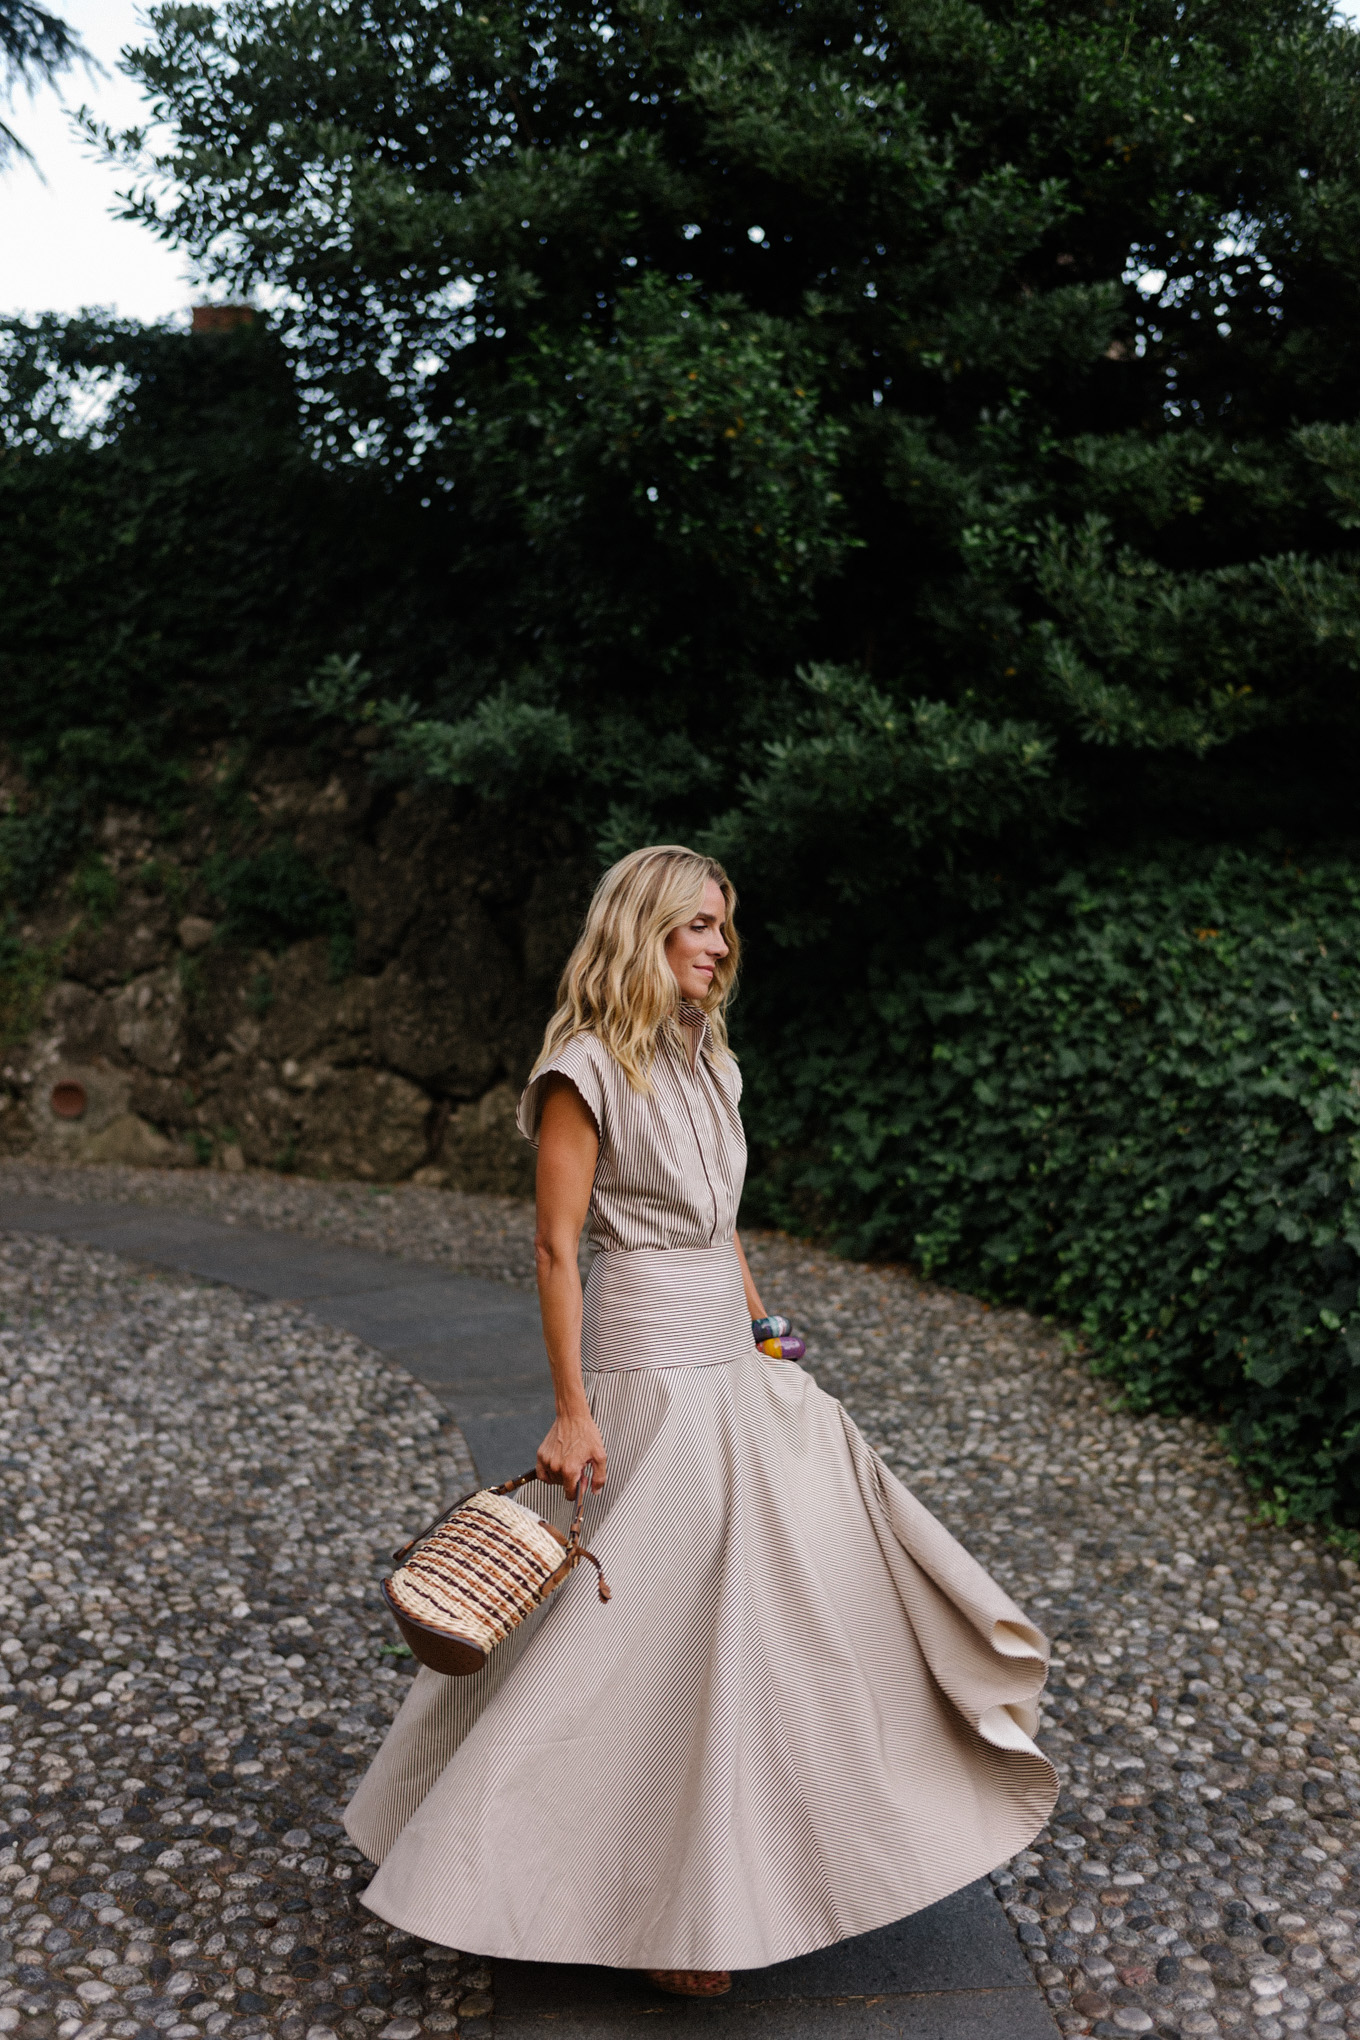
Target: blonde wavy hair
{"points": [[617, 983]]}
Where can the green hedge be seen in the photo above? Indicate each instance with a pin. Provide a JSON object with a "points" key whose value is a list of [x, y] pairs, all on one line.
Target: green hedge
{"points": [[1138, 1105], [278, 897]]}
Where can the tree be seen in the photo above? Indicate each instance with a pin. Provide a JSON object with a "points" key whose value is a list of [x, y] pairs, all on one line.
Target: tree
{"points": [[996, 360], [35, 47]]}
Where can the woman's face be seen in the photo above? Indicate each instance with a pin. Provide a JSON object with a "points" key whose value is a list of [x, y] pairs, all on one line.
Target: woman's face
{"points": [[695, 949]]}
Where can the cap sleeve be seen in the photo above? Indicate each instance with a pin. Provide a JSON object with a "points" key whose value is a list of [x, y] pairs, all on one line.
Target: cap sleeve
{"points": [[577, 1060]]}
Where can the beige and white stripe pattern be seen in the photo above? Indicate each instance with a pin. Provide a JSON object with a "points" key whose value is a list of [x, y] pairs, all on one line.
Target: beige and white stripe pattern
{"points": [[806, 1711], [671, 1164]]}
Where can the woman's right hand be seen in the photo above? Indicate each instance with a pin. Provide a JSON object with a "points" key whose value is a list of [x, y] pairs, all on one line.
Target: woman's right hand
{"points": [[572, 1445]]}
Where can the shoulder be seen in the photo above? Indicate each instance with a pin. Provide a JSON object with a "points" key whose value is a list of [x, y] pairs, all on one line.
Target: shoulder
{"points": [[587, 1065]]}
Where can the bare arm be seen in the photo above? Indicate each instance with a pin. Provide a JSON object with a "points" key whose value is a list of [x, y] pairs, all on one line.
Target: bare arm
{"points": [[568, 1147], [754, 1306]]}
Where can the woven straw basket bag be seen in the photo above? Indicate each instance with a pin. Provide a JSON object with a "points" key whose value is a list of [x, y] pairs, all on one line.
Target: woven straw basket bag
{"points": [[477, 1571]]}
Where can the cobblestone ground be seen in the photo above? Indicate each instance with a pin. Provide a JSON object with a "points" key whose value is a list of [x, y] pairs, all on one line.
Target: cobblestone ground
{"points": [[199, 1494], [1198, 1877], [487, 1236]]}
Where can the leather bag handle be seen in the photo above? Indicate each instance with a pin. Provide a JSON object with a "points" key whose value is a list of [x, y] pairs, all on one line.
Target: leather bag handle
{"points": [[575, 1550]]}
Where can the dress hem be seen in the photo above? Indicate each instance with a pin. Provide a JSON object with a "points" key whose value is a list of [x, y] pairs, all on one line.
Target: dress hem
{"points": [[695, 1955]]}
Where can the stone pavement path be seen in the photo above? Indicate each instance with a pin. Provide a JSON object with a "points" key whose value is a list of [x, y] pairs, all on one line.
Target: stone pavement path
{"points": [[1199, 1877], [954, 1973], [475, 1344]]}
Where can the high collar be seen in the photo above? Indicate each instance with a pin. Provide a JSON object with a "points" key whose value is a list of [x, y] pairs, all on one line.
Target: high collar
{"points": [[690, 1015]]}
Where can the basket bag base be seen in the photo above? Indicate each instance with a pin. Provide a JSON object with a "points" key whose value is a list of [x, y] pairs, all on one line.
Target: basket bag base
{"points": [[457, 1657]]}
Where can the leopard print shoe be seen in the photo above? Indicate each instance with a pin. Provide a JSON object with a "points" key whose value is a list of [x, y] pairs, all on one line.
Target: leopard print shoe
{"points": [[696, 1983]]}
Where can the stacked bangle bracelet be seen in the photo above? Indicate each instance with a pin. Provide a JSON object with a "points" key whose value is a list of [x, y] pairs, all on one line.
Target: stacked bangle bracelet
{"points": [[776, 1337]]}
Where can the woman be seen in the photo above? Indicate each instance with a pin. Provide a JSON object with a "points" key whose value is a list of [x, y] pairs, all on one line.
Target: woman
{"points": [[806, 1711]]}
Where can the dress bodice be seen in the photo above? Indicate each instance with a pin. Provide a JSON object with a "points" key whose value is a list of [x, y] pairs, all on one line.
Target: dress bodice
{"points": [[672, 1161]]}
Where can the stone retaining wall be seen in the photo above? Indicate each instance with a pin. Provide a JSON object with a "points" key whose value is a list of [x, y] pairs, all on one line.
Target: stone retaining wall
{"points": [[396, 1052]]}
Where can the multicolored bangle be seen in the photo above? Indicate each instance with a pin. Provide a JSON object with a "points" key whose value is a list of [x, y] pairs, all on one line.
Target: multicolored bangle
{"points": [[776, 1337]]}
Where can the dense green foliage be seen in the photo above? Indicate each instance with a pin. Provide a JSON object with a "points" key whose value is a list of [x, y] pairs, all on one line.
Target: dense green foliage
{"points": [[1001, 355], [915, 452], [1136, 1100], [169, 576], [992, 365], [277, 897]]}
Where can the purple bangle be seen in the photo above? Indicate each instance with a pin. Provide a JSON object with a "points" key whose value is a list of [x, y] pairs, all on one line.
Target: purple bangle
{"points": [[790, 1347]]}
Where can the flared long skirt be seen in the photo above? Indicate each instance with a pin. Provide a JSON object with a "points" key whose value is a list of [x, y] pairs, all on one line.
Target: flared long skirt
{"points": [[805, 1713]]}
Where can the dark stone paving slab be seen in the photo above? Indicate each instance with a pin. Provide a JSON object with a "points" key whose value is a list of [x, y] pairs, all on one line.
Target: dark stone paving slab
{"points": [[506, 1440], [953, 1972], [476, 1344], [958, 2015]]}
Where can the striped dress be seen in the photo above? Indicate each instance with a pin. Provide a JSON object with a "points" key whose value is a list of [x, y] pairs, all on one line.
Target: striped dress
{"points": [[805, 1713]]}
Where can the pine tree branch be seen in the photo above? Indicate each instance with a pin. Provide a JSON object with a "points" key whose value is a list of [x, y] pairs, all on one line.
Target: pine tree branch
{"points": [[35, 47]]}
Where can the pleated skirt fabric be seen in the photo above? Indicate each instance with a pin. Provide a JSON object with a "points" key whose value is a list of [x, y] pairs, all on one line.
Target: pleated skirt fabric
{"points": [[805, 1713]]}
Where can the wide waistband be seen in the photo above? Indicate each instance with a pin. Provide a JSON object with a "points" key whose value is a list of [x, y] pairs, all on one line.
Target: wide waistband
{"points": [[664, 1307]]}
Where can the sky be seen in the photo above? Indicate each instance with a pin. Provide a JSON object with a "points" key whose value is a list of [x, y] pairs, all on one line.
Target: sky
{"points": [[61, 248]]}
